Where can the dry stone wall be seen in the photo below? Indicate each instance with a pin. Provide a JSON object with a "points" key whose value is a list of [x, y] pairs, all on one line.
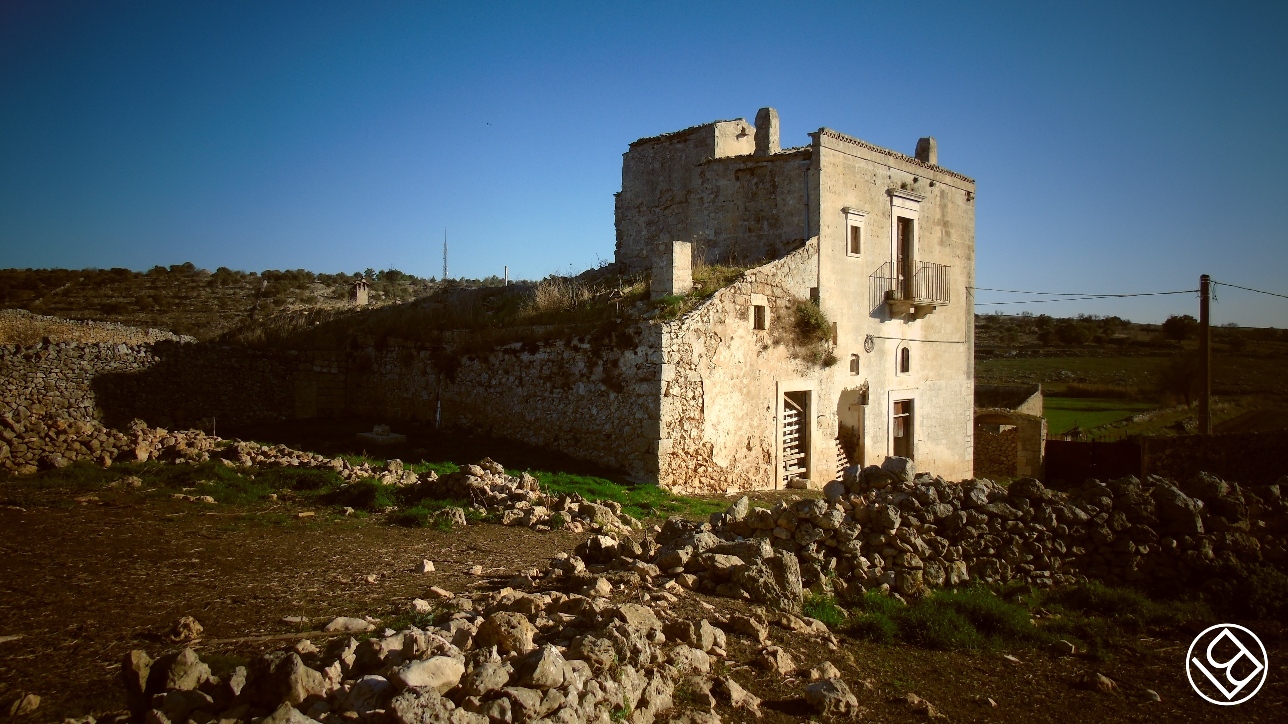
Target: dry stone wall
{"points": [[882, 528], [596, 402], [995, 452], [1255, 457], [590, 400], [167, 383]]}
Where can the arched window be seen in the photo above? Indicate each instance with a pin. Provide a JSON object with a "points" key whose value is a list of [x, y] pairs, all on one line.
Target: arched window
{"points": [[905, 360]]}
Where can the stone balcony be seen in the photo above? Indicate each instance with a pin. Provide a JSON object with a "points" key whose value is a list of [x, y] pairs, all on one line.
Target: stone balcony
{"points": [[915, 290]]}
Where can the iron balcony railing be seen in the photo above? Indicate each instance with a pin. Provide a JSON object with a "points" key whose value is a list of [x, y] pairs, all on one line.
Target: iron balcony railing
{"points": [[921, 282]]}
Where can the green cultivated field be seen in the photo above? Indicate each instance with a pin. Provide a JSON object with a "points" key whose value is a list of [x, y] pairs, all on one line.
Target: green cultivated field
{"points": [[1231, 375], [1063, 413]]}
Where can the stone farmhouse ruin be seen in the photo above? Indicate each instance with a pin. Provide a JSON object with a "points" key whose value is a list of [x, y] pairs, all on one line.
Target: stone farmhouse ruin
{"points": [[879, 240], [718, 399]]}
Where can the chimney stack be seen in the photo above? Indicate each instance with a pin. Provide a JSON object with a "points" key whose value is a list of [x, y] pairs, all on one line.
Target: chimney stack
{"points": [[928, 150], [672, 269], [767, 132]]}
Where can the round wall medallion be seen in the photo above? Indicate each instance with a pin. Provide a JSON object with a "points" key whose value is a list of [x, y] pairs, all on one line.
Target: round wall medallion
{"points": [[869, 343]]}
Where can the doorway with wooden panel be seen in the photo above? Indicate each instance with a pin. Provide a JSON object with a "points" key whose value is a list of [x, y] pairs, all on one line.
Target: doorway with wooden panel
{"points": [[901, 429]]}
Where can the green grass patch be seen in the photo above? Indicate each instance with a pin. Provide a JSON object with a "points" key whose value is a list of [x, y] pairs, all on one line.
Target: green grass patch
{"points": [[1095, 617], [1065, 413], [324, 487], [970, 618], [638, 501], [405, 620], [1249, 590], [424, 514], [825, 609]]}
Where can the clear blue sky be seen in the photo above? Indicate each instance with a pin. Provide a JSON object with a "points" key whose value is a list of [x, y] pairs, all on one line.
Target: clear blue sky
{"points": [[1116, 148]]}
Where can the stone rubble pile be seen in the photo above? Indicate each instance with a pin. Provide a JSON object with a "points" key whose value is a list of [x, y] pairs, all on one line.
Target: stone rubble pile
{"points": [[513, 500], [26, 446], [519, 501], [509, 656], [888, 529]]}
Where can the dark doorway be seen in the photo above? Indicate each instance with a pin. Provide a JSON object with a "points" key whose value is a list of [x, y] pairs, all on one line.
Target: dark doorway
{"points": [[901, 428], [795, 436], [904, 256]]}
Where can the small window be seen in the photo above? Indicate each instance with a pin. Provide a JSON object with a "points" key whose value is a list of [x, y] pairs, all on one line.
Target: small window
{"points": [[759, 317], [853, 231], [905, 360], [854, 364]]}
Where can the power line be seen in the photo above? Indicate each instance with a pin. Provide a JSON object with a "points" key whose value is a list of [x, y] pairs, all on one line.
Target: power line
{"points": [[924, 341], [1083, 298], [1016, 291], [1250, 289]]}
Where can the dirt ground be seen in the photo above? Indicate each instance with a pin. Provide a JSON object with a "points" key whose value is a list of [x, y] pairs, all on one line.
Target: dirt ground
{"points": [[85, 583]]}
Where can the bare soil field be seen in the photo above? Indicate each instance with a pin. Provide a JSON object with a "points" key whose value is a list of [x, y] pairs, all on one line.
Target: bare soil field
{"points": [[83, 583]]}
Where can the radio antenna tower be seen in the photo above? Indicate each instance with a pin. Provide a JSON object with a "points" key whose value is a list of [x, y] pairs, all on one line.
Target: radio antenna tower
{"points": [[444, 254]]}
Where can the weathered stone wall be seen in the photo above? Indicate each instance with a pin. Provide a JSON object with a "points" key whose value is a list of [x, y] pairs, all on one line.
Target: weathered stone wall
{"points": [[705, 186], [995, 452], [1250, 458], [167, 384], [18, 326], [596, 402], [876, 529], [1027, 399], [722, 382]]}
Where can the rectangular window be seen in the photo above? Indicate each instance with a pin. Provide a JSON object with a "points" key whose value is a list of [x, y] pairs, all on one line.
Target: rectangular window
{"points": [[854, 364], [759, 317], [853, 227]]}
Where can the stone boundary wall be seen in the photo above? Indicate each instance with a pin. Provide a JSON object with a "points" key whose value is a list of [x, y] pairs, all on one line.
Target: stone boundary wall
{"points": [[587, 399], [595, 402], [1253, 457], [168, 383], [18, 326], [995, 452]]}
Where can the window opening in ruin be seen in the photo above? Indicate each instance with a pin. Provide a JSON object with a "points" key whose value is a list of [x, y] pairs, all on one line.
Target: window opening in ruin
{"points": [[854, 364], [856, 240], [904, 251], [905, 360], [795, 436], [759, 317], [901, 428]]}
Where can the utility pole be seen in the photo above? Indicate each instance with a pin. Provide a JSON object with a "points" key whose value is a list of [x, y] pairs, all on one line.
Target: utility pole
{"points": [[1205, 356], [444, 254]]}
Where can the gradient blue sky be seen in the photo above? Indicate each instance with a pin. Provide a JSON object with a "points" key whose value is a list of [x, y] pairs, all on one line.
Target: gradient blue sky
{"points": [[1117, 147]]}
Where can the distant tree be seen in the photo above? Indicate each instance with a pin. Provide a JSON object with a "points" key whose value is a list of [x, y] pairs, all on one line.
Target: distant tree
{"points": [[1069, 331], [1043, 321], [1180, 327], [391, 275]]}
